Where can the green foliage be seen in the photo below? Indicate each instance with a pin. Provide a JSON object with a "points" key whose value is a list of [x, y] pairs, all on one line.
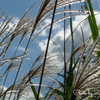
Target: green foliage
{"points": [[34, 90], [89, 98], [98, 54], [60, 93], [92, 20]]}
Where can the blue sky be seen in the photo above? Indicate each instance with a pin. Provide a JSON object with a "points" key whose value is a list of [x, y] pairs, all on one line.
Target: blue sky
{"points": [[17, 8]]}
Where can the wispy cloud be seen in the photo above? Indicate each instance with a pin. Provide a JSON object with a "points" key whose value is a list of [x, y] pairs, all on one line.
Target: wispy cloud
{"points": [[20, 48], [25, 95], [47, 22], [14, 20], [59, 36]]}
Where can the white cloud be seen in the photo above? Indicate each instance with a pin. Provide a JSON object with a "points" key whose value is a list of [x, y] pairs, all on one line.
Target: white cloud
{"points": [[59, 36], [47, 22], [19, 49], [27, 94], [2, 89], [98, 3], [14, 20], [22, 49], [55, 25]]}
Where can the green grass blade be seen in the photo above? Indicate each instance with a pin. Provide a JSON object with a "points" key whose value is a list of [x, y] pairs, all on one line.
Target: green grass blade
{"points": [[93, 18], [4, 96], [92, 21], [68, 85], [71, 64], [33, 90], [92, 28], [70, 21], [89, 98], [43, 98], [75, 65], [69, 79], [98, 54], [60, 93], [61, 84]]}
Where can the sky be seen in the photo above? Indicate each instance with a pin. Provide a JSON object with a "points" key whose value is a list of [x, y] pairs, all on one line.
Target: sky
{"points": [[17, 8]]}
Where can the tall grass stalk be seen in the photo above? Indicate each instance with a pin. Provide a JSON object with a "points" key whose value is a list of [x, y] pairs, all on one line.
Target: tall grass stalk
{"points": [[47, 49], [64, 51], [79, 71]]}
